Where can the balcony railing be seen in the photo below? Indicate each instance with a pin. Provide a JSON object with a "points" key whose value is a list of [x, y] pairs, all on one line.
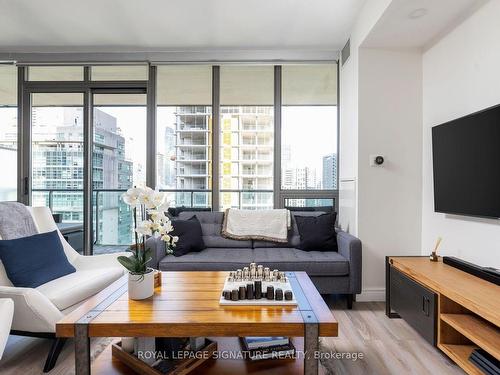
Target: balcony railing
{"points": [[184, 197], [122, 221]]}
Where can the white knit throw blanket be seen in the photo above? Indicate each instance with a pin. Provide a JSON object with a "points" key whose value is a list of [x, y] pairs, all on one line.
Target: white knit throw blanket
{"points": [[266, 225]]}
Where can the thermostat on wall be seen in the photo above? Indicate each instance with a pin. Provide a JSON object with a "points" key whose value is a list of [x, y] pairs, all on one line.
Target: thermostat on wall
{"points": [[376, 160]]}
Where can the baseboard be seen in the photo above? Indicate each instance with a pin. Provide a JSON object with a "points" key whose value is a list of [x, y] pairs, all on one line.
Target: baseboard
{"points": [[371, 295]]}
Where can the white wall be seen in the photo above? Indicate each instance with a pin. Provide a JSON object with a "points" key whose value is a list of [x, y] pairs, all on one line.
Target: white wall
{"points": [[461, 75], [348, 168], [390, 196], [381, 109]]}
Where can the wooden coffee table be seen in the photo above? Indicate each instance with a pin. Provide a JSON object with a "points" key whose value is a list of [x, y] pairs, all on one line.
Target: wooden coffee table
{"points": [[187, 304]]}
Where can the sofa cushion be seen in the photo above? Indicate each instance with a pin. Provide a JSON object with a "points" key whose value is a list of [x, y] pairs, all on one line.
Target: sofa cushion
{"points": [[190, 236], [317, 233], [211, 226], [315, 263], [78, 286], [210, 259], [34, 260], [293, 232]]}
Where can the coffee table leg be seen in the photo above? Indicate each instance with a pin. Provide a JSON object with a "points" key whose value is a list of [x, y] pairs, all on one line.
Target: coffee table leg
{"points": [[311, 347], [82, 349]]}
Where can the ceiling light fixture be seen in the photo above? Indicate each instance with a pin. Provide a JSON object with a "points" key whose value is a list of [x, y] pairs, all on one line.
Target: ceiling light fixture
{"points": [[417, 13]]}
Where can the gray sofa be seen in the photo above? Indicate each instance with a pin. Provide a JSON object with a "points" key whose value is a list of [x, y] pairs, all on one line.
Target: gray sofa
{"points": [[332, 272]]}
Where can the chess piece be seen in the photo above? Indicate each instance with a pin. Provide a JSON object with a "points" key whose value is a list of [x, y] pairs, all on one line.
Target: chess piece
{"points": [[267, 274], [246, 273], [258, 289], [243, 292], [260, 271], [249, 291], [227, 294], [239, 274], [253, 271], [279, 294], [234, 295], [288, 295], [282, 276], [270, 292]]}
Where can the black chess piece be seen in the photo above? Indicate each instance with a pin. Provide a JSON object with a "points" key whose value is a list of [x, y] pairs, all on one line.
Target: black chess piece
{"points": [[258, 289], [234, 295], [249, 291], [288, 295], [227, 294], [270, 292], [243, 292], [279, 294]]}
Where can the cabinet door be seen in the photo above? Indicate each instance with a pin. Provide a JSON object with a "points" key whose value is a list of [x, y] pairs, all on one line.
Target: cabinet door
{"points": [[416, 304]]}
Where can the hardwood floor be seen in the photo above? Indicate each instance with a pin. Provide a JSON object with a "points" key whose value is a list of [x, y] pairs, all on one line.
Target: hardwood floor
{"points": [[389, 346]]}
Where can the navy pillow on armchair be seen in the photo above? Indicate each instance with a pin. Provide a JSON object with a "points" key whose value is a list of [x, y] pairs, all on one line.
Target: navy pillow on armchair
{"points": [[35, 260]]}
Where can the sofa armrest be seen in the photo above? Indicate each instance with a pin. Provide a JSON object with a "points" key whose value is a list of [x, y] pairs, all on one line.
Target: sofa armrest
{"points": [[33, 312], [351, 249], [158, 251], [88, 262]]}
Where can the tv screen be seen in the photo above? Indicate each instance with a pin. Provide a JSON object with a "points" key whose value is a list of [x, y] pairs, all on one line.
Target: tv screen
{"points": [[466, 159]]}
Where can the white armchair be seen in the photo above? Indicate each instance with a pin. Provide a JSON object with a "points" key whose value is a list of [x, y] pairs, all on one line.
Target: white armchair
{"points": [[37, 310], [6, 312]]}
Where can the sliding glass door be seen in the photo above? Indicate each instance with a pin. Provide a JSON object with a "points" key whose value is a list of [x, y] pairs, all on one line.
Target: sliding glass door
{"points": [[118, 163], [56, 154]]}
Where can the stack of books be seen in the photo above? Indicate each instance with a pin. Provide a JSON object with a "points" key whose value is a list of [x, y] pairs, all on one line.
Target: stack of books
{"points": [[485, 362], [268, 348]]}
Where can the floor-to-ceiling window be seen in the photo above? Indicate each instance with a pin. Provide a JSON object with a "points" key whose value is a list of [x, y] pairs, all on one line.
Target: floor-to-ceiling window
{"points": [[184, 134], [57, 154], [246, 136], [8, 132], [275, 138], [119, 163], [309, 155]]}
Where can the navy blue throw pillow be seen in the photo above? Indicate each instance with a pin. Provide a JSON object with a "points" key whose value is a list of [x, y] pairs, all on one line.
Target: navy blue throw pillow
{"points": [[317, 233], [34, 260], [190, 236]]}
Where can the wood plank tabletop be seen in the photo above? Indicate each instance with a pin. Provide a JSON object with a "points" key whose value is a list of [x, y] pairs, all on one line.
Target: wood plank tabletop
{"points": [[187, 304]]}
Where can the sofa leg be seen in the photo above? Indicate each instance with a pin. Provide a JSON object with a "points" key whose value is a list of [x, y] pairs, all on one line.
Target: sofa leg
{"points": [[350, 298], [55, 350]]}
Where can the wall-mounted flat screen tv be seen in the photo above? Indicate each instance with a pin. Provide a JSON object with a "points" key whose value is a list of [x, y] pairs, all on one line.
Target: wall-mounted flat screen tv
{"points": [[466, 160]]}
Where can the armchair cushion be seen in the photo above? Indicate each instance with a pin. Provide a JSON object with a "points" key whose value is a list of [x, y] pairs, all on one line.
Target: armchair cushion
{"points": [[6, 313], [78, 286], [34, 260]]}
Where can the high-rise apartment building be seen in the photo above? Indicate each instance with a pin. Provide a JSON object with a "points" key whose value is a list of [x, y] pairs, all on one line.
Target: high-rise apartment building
{"points": [[247, 148], [193, 128], [330, 171], [57, 164]]}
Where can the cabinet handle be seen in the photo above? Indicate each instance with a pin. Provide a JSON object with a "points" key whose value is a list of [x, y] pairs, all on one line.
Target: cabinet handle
{"points": [[425, 305]]}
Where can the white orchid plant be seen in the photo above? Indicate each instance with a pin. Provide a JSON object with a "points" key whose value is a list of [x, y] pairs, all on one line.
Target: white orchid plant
{"points": [[149, 208]]}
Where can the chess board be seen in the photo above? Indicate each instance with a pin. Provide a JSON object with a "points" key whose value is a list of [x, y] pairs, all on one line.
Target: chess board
{"points": [[283, 285]]}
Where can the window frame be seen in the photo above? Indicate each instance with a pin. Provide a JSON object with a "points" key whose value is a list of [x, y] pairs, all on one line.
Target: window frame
{"points": [[88, 87]]}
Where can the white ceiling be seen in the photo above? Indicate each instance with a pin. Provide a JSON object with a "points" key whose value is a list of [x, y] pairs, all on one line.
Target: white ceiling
{"points": [[395, 29], [166, 25]]}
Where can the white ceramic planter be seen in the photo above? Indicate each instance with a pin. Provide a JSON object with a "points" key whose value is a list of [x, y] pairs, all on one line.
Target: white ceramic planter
{"points": [[141, 286]]}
